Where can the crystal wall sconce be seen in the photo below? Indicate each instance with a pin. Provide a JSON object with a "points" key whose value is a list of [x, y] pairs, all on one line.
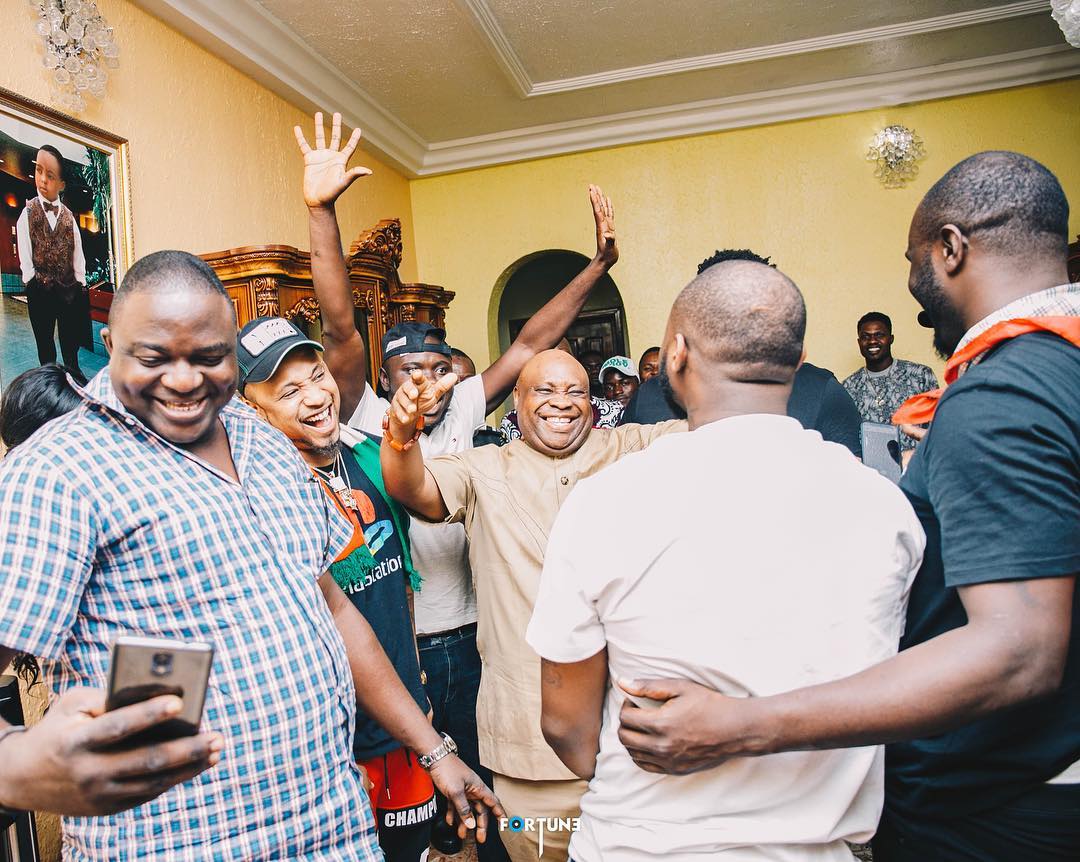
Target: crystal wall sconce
{"points": [[896, 150], [78, 46]]}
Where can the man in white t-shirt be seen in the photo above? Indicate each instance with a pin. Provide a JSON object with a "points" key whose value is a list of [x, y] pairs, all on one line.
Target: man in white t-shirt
{"points": [[773, 560], [446, 605]]}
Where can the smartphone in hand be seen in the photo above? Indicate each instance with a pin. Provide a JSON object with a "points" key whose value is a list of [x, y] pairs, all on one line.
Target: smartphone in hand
{"points": [[143, 668]]}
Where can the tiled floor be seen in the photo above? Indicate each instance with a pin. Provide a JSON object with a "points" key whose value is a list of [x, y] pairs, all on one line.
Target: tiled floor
{"points": [[467, 854], [17, 350]]}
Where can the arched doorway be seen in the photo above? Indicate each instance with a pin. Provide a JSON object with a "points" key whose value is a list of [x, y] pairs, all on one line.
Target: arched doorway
{"points": [[531, 281]]}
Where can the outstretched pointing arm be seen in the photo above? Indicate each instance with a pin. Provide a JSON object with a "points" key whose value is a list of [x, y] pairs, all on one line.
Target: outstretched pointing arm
{"points": [[403, 466]]}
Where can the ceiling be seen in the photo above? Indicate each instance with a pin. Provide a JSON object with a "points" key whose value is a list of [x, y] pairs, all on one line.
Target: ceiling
{"points": [[445, 85]]}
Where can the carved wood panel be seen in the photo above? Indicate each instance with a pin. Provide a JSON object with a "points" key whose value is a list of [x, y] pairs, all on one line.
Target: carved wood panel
{"points": [[271, 280], [266, 297]]}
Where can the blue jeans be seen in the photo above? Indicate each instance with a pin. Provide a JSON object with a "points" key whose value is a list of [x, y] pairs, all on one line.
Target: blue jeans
{"points": [[452, 667]]}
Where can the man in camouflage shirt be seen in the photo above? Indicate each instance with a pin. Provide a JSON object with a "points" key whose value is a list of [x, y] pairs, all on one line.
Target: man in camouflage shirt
{"points": [[885, 383]]}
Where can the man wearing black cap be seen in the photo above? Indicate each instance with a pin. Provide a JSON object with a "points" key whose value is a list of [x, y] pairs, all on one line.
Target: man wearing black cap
{"points": [[446, 608], [408, 346], [283, 376]]}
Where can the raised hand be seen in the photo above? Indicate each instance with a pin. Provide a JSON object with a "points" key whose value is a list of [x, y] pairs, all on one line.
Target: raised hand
{"points": [[470, 801], [73, 762], [415, 397], [607, 249], [325, 168]]}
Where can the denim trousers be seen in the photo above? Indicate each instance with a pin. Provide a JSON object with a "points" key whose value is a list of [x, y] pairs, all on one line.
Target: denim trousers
{"points": [[451, 665]]}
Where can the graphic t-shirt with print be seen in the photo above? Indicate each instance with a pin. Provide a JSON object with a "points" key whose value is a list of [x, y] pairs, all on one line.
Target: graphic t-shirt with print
{"points": [[382, 598]]}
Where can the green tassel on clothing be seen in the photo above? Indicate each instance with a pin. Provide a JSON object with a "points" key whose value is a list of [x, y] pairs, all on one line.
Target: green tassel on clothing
{"points": [[353, 570]]}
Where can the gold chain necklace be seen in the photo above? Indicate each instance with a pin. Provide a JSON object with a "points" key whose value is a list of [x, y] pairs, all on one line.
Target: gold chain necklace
{"points": [[337, 478]]}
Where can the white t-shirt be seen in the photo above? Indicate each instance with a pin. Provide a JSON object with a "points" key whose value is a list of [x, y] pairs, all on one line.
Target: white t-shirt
{"points": [[440, 552], [765, 559]]}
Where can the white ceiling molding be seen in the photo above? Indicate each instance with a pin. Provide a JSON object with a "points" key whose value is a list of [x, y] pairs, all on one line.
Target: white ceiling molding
{"points": [[480, 14], [254, 41], [792, 103], [514, 69]]}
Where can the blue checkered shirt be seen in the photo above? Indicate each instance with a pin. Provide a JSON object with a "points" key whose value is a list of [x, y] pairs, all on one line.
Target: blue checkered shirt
{"points": [[108, 530]]}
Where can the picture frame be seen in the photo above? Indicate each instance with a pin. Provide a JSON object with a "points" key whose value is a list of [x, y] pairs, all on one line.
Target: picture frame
{"points": [[95, 165], [600, 330]]}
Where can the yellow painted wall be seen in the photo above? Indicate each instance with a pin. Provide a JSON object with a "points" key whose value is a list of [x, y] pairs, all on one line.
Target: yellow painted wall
{"points": [[213, 161], [799, 191]]}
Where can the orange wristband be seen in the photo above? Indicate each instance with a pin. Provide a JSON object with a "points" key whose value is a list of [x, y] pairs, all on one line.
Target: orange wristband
{"points": [[394, 444]]}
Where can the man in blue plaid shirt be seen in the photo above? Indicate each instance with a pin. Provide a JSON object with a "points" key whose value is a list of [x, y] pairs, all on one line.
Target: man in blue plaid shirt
{"points": [[161, 507]]}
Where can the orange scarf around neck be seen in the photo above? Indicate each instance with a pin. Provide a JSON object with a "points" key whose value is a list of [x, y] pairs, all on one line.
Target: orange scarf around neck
{"points": [[920, 408]]}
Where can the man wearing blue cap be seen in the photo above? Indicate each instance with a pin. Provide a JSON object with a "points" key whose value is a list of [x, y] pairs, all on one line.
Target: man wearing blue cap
{"points": [[446, 608]]}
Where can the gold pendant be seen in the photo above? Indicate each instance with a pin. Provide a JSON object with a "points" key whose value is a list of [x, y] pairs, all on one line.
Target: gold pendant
{"points": [[348, 500], [344, 492]]}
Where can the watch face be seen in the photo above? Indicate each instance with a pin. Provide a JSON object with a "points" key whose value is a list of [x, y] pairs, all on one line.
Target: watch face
{"points": [[447, 748]]}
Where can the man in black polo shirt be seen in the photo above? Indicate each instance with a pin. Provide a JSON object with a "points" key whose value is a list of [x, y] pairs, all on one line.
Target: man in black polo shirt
{"points": [[982, 704]]}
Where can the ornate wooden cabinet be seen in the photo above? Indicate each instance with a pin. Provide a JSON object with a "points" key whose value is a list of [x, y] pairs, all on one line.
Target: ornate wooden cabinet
{"points": [[276, 280]]}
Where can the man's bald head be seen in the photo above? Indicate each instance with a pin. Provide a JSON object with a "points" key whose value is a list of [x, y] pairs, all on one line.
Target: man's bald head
{"points": [[1015, 205], [548, 364], [168, 272], [744, 315], [552, 400], [993, 229]]}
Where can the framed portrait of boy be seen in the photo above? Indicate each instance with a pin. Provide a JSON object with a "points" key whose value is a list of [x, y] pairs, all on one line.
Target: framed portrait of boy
{"points": [[67, 240]]}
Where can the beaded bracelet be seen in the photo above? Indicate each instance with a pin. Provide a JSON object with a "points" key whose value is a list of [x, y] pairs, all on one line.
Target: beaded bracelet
{"points": [[394, 444]]}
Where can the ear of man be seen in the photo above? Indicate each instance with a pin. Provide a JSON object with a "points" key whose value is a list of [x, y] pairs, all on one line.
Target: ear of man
{"points": [[254, 405], [955, 248], [678, 354]]}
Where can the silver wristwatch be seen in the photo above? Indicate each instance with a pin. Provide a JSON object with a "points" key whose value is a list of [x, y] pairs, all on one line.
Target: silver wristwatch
{"points": [[447, 748]]}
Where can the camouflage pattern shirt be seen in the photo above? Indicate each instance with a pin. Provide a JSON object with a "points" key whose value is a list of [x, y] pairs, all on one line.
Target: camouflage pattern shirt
{"points": [[878, 394]]}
